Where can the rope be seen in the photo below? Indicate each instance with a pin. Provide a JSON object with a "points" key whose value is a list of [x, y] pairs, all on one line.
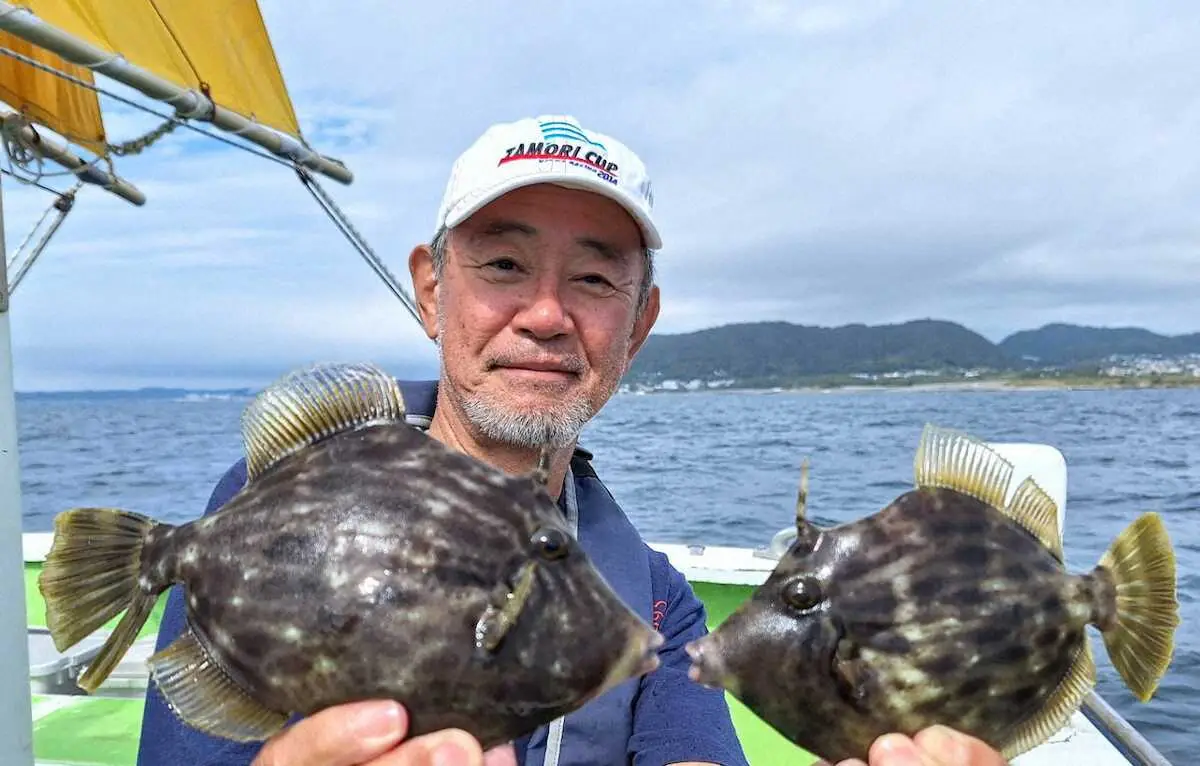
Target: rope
{"points": [[22, 156], [43, 187]]}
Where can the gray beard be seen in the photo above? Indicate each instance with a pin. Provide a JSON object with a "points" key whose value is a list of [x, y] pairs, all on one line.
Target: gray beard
{"points": [[558, 427]]}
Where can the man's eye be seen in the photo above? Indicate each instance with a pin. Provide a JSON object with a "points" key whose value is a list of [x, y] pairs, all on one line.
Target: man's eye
{"points": [[596, 279], [504, 264]]}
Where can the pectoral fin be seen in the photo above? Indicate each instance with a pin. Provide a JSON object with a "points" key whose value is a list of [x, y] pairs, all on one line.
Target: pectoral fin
{"points": [[504, 609], [851, 674]]}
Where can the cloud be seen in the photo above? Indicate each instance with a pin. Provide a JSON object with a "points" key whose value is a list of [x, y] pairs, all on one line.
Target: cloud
{"points": [[1001, 165]]}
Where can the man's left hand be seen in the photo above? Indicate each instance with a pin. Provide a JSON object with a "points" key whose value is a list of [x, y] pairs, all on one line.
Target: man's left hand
{"points": [[935, 746]]}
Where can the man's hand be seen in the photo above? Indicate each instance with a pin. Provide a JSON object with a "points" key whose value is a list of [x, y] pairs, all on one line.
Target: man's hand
{"points": [[935, 746], [372, 734]]}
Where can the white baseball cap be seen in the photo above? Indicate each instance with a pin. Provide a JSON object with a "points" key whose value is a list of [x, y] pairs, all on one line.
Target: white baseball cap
{"points": [[552, 149]]}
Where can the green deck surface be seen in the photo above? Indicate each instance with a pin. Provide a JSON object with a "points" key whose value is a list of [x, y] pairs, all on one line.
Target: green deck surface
{"points": [[105, 732], [94, 731]]}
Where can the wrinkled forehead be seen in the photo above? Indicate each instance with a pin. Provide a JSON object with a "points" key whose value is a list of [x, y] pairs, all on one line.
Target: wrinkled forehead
{"points": [[499, 229]]}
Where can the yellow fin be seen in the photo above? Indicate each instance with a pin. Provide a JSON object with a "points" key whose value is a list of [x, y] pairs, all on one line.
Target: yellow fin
{"points": [[1037, 512], [92, 574], [205, 698], [1142, 564], [1062, 703], [313, 403], [954, 460]]}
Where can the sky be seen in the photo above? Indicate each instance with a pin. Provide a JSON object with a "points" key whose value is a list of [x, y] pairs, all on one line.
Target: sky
{"points": [[1001, 165]]}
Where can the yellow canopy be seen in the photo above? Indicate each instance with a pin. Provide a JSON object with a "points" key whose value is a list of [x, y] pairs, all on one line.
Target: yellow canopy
{"points": [[219, 46]]}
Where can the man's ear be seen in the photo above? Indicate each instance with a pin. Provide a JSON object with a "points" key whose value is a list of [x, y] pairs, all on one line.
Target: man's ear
{"points": [[643, 325], [420, 266]]}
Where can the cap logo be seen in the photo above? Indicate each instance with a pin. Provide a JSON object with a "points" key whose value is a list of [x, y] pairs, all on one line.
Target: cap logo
{"points": [[564, 142], [555, 129]]}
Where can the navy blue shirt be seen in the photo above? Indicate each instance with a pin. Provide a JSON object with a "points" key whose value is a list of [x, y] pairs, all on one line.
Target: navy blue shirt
{"points": [[660, 718]]}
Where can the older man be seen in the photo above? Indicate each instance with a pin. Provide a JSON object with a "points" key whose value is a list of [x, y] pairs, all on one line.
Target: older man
{"points": [[538, 288]]}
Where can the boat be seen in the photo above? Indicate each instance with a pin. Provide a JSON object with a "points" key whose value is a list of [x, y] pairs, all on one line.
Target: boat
{"points": [[51, 52]]}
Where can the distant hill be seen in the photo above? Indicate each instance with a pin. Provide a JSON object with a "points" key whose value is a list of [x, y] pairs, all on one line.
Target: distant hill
{"points": [[1066, 344], [768, 353], [764, 351]]}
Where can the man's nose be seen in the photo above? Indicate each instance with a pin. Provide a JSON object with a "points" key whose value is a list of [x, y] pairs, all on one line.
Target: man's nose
{"points": [[545, 316]]}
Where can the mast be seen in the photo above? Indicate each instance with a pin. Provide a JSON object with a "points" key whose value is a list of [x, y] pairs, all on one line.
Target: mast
{"points": [[189, 103], [16, 703]]}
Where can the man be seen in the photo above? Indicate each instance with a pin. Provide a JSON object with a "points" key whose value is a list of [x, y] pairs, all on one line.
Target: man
{"points": [[538, 288]]}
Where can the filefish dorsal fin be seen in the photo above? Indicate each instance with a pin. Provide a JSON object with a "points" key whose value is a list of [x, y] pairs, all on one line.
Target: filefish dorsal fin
{"points": [[1064, 701], [1034, 510], [953, 460], [313, 403]]}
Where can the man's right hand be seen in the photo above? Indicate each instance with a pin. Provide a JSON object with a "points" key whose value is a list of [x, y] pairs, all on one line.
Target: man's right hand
{"points": [[372, 734]]}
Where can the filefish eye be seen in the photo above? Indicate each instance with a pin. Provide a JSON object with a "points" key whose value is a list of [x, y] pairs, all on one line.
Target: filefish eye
{"points": [[802, 593], [551, 543]]}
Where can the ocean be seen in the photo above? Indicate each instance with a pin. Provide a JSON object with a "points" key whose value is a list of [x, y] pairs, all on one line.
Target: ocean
{"points": [[723, 468]]}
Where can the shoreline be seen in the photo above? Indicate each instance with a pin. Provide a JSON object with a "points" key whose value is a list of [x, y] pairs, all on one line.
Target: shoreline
{"points": [[984, 385]]}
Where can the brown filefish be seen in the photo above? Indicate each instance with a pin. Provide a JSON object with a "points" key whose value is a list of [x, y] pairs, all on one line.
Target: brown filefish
{"points": [[951, 606], [362, 560]]}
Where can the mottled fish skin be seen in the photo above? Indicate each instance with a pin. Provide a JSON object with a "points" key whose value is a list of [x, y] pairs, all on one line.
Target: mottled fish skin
{"points": [[359, 567], [937, 607], [950, 605], [362, 560]]}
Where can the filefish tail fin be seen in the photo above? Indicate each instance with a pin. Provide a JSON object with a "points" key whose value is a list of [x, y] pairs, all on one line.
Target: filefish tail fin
{"points": [[1140, 640], [93, 573]]}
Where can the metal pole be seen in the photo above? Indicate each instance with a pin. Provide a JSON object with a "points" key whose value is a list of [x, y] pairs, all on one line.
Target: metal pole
{"points": [[1121, 733], [188, 102], [16, 705], [56, 151]]}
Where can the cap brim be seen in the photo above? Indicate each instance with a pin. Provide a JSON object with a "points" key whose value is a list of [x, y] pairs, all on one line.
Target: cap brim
{"points": [[649, 231]]}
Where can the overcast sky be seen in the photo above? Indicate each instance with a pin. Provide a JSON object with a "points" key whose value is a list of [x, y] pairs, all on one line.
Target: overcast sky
{"points": [[1002, 165]]}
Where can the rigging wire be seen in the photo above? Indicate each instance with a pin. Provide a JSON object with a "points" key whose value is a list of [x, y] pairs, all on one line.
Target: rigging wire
{"points": [[340, 220], [32, 182], [343, 223]]}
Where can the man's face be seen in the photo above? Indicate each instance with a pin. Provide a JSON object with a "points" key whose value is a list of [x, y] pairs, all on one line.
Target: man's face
{"points": [[536, 311]]}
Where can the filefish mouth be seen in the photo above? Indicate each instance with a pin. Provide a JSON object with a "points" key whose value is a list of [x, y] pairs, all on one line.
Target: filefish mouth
{"points": [[649, 661], [639, 658], [708, 666]]}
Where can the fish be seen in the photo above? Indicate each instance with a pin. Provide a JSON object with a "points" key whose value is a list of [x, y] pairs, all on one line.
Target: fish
{"points": [[363, 559], [950, 605]]}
